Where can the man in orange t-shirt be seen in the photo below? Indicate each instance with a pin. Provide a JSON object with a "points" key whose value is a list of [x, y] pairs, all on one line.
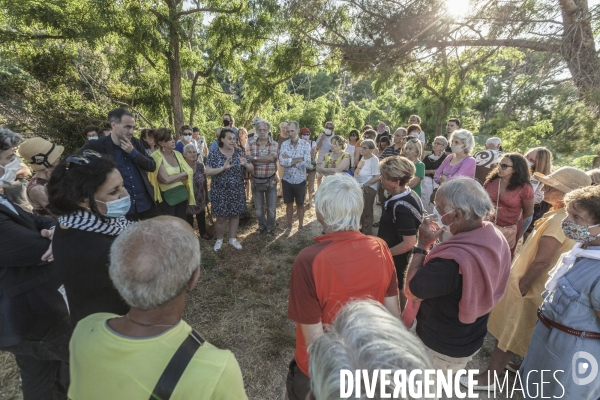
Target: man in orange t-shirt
{"points": [[344, 265]]}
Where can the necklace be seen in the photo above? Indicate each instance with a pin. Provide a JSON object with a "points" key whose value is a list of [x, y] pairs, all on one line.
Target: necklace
{"points": [[148, 325]]}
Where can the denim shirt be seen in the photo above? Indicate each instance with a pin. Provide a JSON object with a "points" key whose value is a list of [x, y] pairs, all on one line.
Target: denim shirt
{"points": [[576, 297]]}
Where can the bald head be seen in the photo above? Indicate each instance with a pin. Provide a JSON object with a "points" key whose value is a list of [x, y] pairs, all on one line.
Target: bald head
{"points": [[152, 261]]}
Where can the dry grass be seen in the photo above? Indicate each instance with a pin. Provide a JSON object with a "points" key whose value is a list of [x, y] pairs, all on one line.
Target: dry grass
{"points": [[240, 304]]}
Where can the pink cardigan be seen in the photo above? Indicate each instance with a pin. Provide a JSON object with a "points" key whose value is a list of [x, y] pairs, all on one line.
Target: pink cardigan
{"points": [[484, 263], [464, 168]]}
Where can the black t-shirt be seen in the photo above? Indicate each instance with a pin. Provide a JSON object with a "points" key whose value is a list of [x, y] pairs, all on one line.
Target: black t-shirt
{"points": [[380, 135], [439, 284], [431, 164], [406, 225]]}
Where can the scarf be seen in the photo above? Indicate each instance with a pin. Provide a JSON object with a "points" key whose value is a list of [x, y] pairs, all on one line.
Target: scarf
{"points": [[86, 221], [484, 263], [566, 261], [433, 157]]}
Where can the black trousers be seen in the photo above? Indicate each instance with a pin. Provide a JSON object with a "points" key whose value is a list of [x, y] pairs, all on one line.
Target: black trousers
{"points": [[200, 219], [44, 364], [178, 210]]}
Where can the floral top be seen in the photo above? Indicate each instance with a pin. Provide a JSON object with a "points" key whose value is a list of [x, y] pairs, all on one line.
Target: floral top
{"points": [[199, 185]]}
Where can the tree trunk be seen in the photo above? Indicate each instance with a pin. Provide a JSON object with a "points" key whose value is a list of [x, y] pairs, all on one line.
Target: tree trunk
{"points": [[175, 67], [440, 119], [579, 50]]}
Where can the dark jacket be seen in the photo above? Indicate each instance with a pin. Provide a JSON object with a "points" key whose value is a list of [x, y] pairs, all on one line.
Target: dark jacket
{"points": [[82, 259], [30, 303], [144, 163]]}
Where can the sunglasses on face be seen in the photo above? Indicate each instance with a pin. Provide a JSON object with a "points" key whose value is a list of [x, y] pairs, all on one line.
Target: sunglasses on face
{"points": [[82, 159], [505, 166]]}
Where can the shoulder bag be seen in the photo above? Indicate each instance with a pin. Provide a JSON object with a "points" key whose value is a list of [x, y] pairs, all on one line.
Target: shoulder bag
{"points": [[176, 194], [176, 367]]}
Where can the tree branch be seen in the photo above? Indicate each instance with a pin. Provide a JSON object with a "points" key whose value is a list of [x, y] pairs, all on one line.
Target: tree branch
{"points": [[208, 9]]}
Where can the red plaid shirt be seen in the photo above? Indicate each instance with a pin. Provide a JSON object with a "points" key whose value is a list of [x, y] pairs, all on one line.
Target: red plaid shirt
{"points": [[256, 150]]}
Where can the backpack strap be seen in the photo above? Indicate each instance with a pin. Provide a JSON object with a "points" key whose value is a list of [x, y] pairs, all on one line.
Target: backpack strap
{"points": [[179, 362]]}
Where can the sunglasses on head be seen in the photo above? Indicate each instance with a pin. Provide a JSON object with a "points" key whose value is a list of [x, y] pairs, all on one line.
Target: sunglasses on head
{"points": [[82, 159]]}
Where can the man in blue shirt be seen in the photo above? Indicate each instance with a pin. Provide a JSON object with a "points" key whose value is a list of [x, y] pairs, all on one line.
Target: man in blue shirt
{"points": [[132, 163]]}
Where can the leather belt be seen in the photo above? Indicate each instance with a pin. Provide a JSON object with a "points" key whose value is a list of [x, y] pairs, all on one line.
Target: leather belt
{"points": [[548, 323]]}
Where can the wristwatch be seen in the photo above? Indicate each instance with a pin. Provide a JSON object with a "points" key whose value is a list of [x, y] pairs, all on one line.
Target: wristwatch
{"points": [[417, 250], [255, 158]]}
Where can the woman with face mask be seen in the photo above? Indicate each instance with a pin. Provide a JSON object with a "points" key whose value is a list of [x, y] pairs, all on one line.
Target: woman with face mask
{"points": [[459, 163], [566, 338], [87, 195], [513, 319], [42, 157]]}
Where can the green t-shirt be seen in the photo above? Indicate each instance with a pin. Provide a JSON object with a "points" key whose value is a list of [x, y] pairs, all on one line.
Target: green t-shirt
{"points": [[421, 174], [106, 365]]}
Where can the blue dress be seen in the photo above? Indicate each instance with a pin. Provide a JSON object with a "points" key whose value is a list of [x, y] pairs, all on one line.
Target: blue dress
{"points": [[227, 190], [573, 304]]}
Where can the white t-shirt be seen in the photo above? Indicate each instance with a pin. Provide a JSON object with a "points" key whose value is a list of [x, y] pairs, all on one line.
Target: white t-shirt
{"points": [[368, 171], [325, 146], [200, 144], [350, 150]]}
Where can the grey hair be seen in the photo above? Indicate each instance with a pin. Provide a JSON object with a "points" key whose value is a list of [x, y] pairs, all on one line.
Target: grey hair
{"points": [[496, 141], [330, 122], [189, 146], [366, 336], [467, 138], [151, 262], [370, 144], [468, 196], [9, 139], [441, 139], [263, 121], [339, 200], [294, 123]]}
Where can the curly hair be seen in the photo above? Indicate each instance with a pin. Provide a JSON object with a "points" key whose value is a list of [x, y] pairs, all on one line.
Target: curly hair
{"points": [[520, 174], [588, 198], [9, 139]]}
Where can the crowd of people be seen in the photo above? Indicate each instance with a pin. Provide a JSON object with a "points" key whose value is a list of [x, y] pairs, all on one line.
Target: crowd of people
{"points": [[98, 252]]}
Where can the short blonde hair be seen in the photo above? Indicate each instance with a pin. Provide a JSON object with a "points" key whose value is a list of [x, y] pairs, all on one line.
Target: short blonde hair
{"points": [[415, 143], [397, 168], [339, 140], [466, 137]]}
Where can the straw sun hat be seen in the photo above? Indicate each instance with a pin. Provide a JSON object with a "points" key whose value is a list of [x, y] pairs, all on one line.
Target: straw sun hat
{"points": [[40, 153], [565, 179]]}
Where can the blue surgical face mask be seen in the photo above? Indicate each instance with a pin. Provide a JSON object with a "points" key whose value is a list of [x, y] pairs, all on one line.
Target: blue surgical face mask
{"points": [[117, 208]]}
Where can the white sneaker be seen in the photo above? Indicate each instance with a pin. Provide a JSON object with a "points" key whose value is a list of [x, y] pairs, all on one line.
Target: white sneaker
{"points": [[235, 244], [218, 245]]}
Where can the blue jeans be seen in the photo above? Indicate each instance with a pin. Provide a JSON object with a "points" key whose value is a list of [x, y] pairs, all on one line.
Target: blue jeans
{"points": [[270, 199]]}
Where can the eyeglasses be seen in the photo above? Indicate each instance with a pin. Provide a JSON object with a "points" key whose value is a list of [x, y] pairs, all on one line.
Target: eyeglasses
{"points": [[366, 148], [82, 159], [505, 166]]}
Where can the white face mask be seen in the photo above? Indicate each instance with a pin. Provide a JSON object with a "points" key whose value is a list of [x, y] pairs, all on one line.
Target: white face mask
{"points": [[10, 172], [439, 219], [187, 138], [328, 131], [93, 138], [457, 149], [530, 164]]}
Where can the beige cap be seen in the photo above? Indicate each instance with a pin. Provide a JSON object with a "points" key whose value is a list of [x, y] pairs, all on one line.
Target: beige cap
{"points": [[39, 153], [565, 179]]}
